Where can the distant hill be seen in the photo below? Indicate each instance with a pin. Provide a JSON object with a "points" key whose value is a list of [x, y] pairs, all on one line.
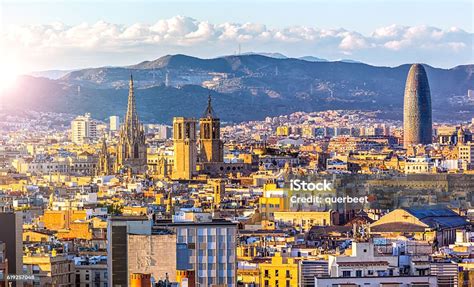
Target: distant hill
{"points": [[244, 87], [313, 59], [50, 74]]}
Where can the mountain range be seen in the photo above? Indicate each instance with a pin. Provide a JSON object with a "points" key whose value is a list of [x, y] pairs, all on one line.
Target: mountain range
{"points": [[243, 87]]}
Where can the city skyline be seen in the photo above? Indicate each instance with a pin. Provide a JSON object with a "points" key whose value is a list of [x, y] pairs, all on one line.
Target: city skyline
{"points": [[311, 143]]}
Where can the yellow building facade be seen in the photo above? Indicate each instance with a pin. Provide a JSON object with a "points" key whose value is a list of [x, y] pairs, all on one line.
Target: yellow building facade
{"points": [[306, 219], [184, 147], [269, 205], [281, 272], [61, 219]]}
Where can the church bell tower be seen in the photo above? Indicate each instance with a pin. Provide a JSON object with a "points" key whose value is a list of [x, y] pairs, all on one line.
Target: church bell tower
{"points": [[212, 148]]}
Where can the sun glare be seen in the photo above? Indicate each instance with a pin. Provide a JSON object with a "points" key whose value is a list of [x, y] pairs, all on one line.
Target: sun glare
{"points": [[9, 72]]}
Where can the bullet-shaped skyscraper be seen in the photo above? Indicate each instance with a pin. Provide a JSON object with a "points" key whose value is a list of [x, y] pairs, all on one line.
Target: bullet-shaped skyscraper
{"points": [[417, 121]]}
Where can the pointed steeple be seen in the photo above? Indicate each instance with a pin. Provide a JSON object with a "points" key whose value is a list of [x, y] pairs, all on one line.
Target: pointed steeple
{"points": [[103, 149], [461, 136], [131, 117], [209, 112], [103, 164]]}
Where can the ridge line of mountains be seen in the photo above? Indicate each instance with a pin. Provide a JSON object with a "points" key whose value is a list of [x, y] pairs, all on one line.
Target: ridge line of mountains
{"points": [[244, 87]]}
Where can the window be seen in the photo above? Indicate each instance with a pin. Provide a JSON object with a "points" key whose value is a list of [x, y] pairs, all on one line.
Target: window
{"points": [[266, 274], [288, 275], [288, 283], [266, 283], [358, 273], [346, 273], [276, 273]]}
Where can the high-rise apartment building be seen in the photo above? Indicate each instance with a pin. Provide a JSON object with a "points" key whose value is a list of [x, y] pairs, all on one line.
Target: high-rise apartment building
{"points": [[191, 243], [211, 244], [83, 129], [118, 229], [114, 123]]}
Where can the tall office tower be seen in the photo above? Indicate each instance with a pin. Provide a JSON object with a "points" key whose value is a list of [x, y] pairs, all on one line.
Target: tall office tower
{"points": [[114, 123], [118, 229], [131, 149], [417, 122], [12, 235], [210, 136], [84, 129], [185, 151]]}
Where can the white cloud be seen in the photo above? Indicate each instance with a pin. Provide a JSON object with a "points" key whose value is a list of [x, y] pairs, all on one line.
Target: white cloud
{"points": [[353, 41], [183, 34]]}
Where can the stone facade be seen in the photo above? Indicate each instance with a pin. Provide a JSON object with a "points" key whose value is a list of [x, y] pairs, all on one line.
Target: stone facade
{"points": [[185, 148], [212, 148]]}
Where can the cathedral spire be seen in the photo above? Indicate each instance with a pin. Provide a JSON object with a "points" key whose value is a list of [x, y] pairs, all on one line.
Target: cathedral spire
{"points": [[103, 164], [131, 149], [131, 118], [104, 145], [209, 112]]}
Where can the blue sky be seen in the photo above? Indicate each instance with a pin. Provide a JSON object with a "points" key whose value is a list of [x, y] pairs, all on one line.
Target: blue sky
{"points": [[439, 33], [362, 16]]}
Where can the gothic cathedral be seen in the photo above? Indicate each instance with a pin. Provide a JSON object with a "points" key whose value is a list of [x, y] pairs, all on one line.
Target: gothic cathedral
{"points": [[131, 149]]}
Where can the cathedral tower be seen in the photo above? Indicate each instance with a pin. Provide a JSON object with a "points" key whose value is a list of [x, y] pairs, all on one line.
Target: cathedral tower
{"points": [[210, 136], [131, 149], [185, 151], [104, 160]]}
